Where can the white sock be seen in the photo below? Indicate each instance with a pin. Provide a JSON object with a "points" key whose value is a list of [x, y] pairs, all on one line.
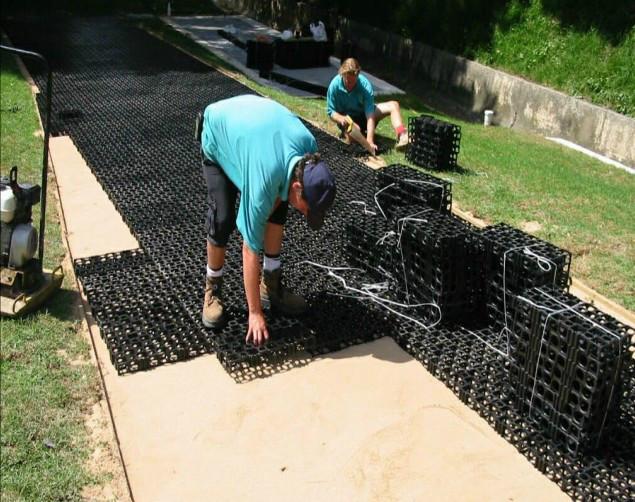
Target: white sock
{"points": [[271, 263], [214, 273]]}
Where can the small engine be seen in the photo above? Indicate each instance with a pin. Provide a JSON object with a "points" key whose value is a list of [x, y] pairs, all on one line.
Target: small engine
{"points": [[18, 239]]}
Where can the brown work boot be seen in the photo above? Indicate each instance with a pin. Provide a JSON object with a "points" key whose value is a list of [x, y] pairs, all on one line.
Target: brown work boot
{"points": [[274, 294], [213, 305]]}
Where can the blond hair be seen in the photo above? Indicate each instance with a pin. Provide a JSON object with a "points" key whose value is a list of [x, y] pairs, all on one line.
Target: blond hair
{"points": [[350, 65]]}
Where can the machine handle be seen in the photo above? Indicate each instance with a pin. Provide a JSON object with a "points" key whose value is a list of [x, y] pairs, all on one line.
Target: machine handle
{"points": [[47, 128]]}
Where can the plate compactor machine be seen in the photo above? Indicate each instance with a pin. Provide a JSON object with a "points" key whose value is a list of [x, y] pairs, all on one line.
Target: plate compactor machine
{"points": [[25, 285]]}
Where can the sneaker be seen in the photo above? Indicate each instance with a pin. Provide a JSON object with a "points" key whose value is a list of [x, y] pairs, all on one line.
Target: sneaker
{"points": [[213, 305], [273, 294], [402, 142]]}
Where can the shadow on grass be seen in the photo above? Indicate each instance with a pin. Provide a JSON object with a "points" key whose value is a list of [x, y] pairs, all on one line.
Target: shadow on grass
{"points": [[64, 305], [464, 171]]}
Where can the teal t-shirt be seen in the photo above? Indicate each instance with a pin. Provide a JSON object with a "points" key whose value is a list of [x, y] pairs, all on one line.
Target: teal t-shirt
{"points": [[359, 101], [257, 142]]}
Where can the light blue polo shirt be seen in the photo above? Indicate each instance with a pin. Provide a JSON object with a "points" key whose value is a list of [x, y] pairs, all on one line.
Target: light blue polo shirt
{"points": [[257, 142], [360, 101]]}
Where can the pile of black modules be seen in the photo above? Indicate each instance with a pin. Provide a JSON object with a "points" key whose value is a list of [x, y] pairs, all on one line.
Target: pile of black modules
{"points": [[294, 53], [514, 262], [441, 263], [434, 144], [372, 221], [302, 53], [371, 242], [260, 55], [411, 240], [568, 362], [399, 186]]}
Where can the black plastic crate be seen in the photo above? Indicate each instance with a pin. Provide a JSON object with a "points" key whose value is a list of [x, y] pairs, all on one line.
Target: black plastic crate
{"points": [[434, 144], [570, 362], [302, 53], [516, 261], [260, 56], [399, 185]]}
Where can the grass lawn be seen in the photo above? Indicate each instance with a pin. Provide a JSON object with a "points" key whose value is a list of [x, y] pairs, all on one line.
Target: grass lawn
{"points": [[47, 382], [581, 204], [531, 41]]}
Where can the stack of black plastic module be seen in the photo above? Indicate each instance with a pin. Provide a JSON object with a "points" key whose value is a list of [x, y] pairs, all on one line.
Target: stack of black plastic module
{"points": [[434, 144], [428, 255], [441, 263], [516, 261], [371, 242], [371, 225], [260, 56], [302, 53], [568, 360], [400, 186]]}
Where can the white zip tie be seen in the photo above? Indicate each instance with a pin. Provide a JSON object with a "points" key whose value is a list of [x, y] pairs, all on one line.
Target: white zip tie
{"points": [[488, 344], [381, 240], [377, 202], [362, 203], [530, 253], [540, 259], [384, 302]]}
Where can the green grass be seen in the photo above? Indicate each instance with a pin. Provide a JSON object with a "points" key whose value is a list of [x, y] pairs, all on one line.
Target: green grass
{"points": [[581, 204], [43, 396], [530, 42]]}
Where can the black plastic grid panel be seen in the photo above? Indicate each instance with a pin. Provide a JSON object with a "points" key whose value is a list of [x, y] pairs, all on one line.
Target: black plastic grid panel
{"points": [[139, 315], [128, 101]]}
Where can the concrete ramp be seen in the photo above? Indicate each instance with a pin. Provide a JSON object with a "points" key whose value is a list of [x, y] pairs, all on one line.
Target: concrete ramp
{"points": [[204, 30]]}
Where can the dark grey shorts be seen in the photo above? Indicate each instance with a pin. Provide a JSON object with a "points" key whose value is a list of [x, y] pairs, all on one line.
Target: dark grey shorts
{"points": [[221, 205]]}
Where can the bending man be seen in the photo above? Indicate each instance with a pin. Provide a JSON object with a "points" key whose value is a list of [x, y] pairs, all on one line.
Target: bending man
{"points": [[350, 103], [257, 147]]}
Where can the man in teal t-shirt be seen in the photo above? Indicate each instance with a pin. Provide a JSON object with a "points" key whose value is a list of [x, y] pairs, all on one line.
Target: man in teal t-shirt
{"points": [[350, 103], [257, 147]]}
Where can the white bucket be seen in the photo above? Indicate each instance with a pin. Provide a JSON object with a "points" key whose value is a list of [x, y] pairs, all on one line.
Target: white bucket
{"points": [[487, 117]]}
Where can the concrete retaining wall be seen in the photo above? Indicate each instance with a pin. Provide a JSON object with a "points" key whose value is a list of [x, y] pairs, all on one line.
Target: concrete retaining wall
{"points": [[472, 86]]}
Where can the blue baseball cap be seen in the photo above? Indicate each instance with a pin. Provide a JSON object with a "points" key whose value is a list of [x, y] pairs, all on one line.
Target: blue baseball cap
{"points": [[319, 192]]}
